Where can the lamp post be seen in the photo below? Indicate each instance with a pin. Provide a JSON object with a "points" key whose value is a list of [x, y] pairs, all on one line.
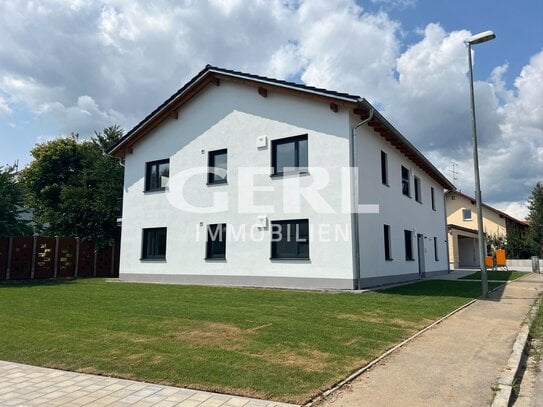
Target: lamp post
{"points": [[478, 39]]}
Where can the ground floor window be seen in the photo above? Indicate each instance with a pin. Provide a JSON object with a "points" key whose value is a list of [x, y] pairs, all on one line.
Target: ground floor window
{"points": [[154, 244], [386, 233], [436, 256], [216, 241], [408, 236], [290, 239]]}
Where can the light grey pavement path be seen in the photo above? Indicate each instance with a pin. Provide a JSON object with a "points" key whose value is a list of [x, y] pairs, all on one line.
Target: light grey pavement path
{"points": [[24, 385], [454, 364]]}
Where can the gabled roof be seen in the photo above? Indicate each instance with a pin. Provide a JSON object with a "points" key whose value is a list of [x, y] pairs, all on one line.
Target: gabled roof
{"points": [[212, 76], [497, 211]]}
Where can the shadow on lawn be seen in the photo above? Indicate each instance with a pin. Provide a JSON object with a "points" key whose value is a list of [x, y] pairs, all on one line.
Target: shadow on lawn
{"points": [[36, 283], [445, 288]]}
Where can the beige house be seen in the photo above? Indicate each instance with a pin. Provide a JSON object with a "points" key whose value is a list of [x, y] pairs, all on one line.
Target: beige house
{"points": [[462, 224]]}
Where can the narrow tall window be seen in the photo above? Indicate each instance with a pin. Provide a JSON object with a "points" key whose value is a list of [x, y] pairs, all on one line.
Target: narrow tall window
{"points": [[436, 256], [408, 236], [289, 155], [386, 234], [216, 241], [405, 182], [466, 214], [154, 244], [433, 198], [290, 239], [157, 174], [384, 168], [217, 163], [417, 190]]}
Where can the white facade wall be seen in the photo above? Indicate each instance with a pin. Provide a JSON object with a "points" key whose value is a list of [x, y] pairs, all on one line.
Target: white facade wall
{"points": [[232, 116], [398, 211]]}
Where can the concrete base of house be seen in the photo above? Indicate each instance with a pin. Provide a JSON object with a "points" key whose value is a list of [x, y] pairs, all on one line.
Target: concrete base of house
{"points": [[401, 278], [241, 281], [272, 282]]}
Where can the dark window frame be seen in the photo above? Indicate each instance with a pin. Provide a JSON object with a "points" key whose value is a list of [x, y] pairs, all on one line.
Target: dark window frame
{"points": [[408, 242], [436, 254], [406, 183], [211, 156], [212, 245], [433, 198], [417, 189], [300, 254], [297, 169], [384, 168], [386, 241], [148, 170], [154, 253]]}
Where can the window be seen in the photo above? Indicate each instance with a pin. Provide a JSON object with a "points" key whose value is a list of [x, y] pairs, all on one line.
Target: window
{"points": [[417, 189], [157, 174], [154, 244], [408, 236], [432, 196], [436, 257], [290, 239], [384, 168], [216, 241], [405, 182], [386, 233], [217, 159], [289, 155], [466, 214]]}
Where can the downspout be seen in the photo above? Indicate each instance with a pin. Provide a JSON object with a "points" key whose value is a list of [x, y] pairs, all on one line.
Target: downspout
{"points": [[354, 200]]}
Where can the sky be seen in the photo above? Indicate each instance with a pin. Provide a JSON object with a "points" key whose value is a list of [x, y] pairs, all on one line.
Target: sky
{"points": [[79, 66]]}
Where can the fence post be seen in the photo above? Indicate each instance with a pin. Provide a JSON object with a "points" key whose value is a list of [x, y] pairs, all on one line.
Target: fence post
{"points": [[94, 260], [76, 257], [55, 267], [10, 247], [112, 258], [33, 264]]}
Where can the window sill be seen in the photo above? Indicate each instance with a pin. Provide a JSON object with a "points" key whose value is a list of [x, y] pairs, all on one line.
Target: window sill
{"points": [[386, 184], [157, 260], [409, 259], [418, 201], [217, 259], [151, 191], [290, 173], [389, 259], [214, 183], [290, 258]]}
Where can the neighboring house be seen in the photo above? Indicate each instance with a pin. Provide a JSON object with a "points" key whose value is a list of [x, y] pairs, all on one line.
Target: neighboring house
{"points": [[294, 134], [462, 225]]}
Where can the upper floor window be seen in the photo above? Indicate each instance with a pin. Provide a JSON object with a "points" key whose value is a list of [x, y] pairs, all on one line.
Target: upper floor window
{"points": [[216, 241], [157, 174], [466, 214], [417, 190], [408, 236], [289, 155], [217, 163], [384, 168], [405, 182], [432, 196], [290, 239], [154, 244]]}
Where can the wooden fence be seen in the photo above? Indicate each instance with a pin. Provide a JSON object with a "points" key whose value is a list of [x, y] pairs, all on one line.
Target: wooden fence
{"points": [[39, 257]]}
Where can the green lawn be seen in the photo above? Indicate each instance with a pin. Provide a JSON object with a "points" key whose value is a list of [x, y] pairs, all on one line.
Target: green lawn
{"points": [[278, 344], [496, 275]]}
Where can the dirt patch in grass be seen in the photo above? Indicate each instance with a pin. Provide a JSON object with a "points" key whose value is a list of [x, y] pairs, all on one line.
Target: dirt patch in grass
{"points": [[402, 323]]}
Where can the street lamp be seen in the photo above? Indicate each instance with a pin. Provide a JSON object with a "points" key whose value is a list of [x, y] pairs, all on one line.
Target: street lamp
{"points": [[478, 39]]}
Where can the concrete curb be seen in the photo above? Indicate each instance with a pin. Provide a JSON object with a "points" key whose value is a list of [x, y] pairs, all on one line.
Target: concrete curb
{"points": [[506, 379]]}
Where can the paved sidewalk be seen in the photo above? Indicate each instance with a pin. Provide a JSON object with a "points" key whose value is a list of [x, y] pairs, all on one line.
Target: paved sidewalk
{"points": [[24, 385], [454, 364]]}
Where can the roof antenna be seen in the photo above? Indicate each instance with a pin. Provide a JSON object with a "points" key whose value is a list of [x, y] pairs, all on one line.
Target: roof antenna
{"points": [[454, 172]]}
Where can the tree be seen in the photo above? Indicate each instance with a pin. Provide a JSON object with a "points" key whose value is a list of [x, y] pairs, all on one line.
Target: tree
{"points": [[535, 219], [11, 192], [74, 188]]}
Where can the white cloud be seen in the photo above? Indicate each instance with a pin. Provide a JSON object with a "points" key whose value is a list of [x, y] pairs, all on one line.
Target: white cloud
{"points": [[5, 110], [86, 64]]}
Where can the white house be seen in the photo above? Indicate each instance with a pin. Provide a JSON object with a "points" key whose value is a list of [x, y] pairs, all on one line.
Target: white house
{"points": [[282, 153]]}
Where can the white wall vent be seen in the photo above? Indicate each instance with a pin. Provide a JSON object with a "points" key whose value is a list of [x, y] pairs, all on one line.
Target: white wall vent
{"points": [[261, 141]]}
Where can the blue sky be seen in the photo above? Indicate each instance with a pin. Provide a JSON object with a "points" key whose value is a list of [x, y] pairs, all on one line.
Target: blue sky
{"points": [[81, 65]]}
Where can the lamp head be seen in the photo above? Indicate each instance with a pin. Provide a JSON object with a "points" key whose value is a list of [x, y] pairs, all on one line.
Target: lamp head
{"points": [[481, 37]]}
